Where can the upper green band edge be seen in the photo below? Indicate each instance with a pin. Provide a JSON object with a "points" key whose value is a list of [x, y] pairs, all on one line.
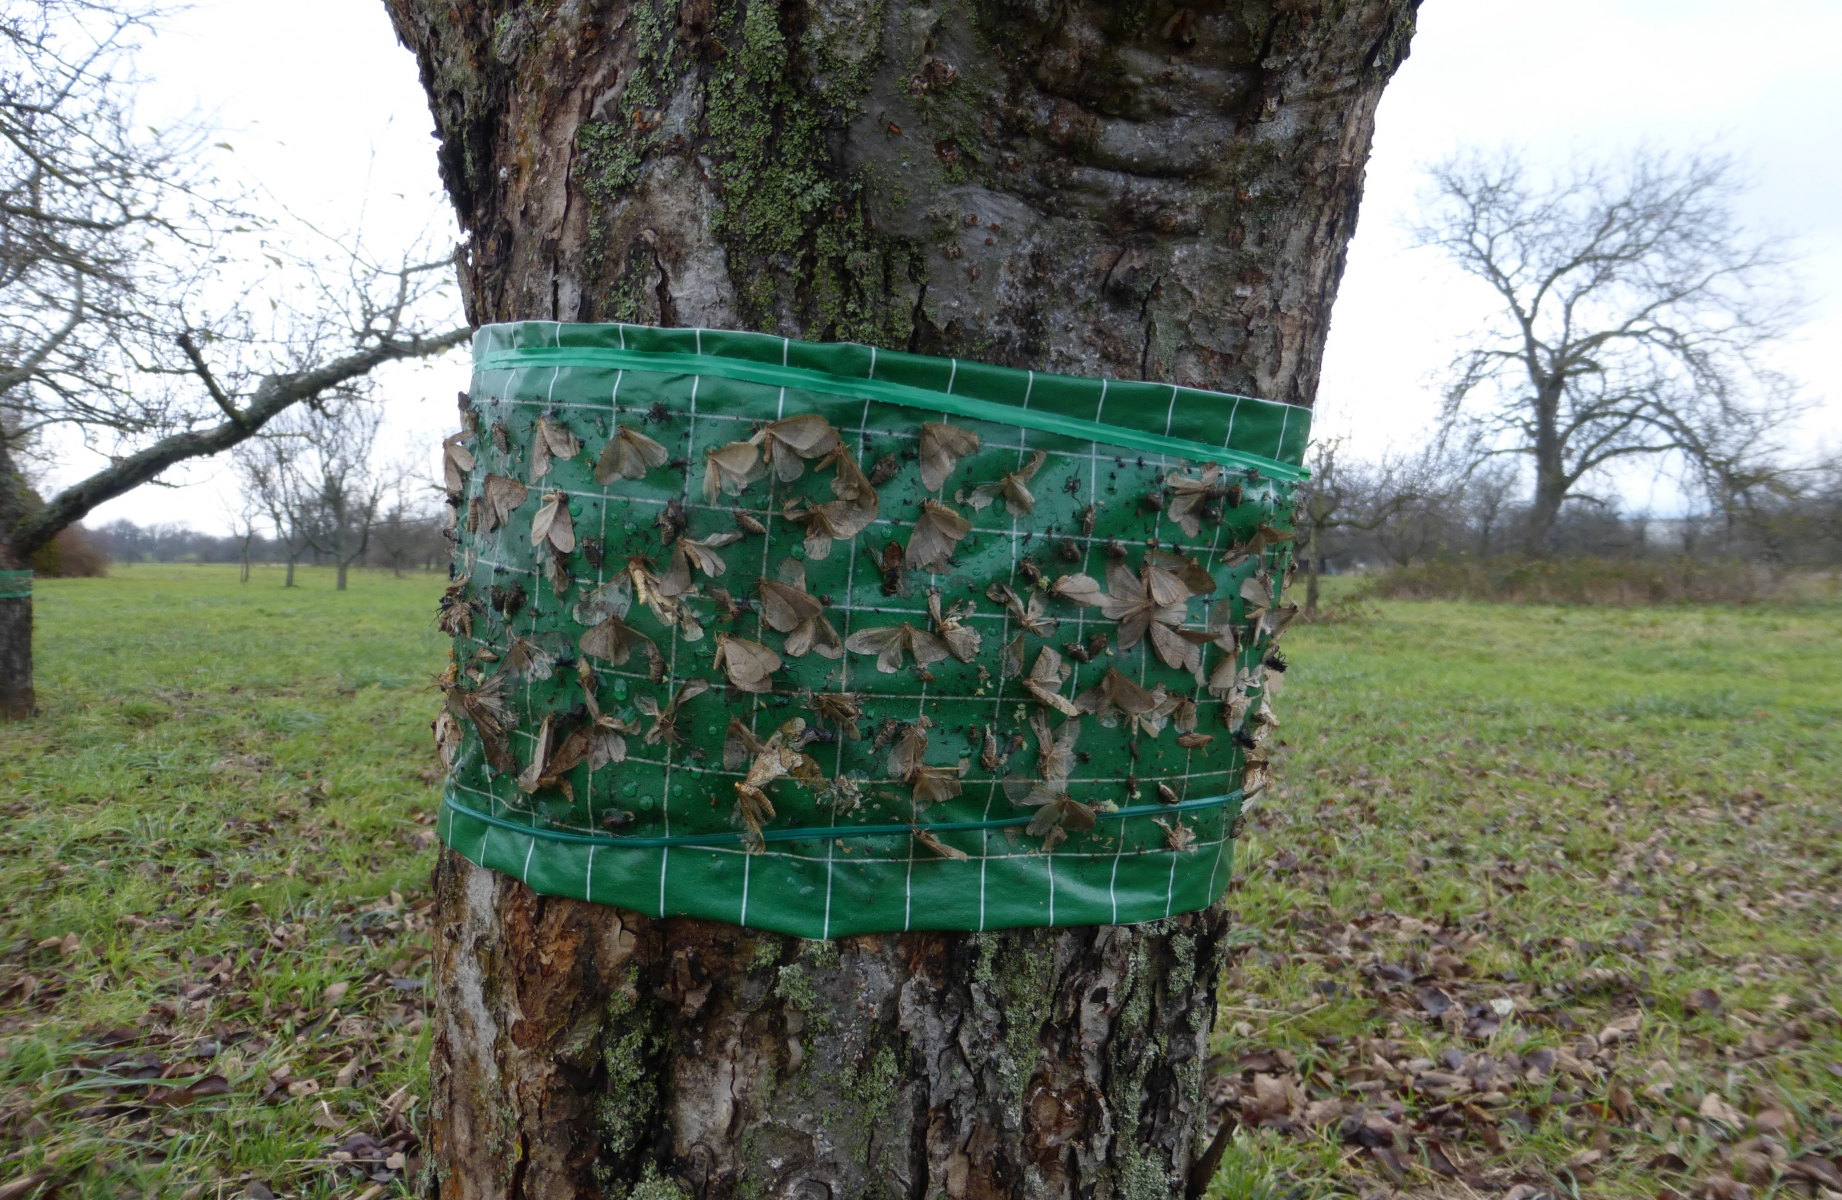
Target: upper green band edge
{"points": [[814, 833], [891, 393]]}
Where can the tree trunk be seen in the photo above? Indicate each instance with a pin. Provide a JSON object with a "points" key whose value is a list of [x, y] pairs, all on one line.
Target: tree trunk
{"points": [[17, 699], [1551, 482], [1539, 537], [340, 585], [1136, 190], [288, 581]]}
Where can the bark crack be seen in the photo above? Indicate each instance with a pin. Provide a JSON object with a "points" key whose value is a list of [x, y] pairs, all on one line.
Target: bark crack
{"points": [[668, 310]]}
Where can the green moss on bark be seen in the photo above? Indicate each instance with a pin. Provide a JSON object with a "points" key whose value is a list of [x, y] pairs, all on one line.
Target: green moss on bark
{"points": [[797, 231], [1019, 976], [628, 1108]]}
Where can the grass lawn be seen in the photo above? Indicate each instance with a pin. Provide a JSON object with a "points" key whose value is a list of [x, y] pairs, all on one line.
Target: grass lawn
{"points": [[214, 865], [1546, 899]]}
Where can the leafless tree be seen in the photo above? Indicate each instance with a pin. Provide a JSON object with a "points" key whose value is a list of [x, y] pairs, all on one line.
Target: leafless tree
{"points": [[1346, 494], [326, 471], [268, 481], [1184, 224], [1632, 311], [141, 310], [409, 530], [244, 530], [1487, 497]]}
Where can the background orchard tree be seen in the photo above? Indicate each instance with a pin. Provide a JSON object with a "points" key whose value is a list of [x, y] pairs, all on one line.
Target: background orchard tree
{"points": [[1633, 311], [1156, 191], [269, 482], [1347, 494], [409, 528], [342, 486]]}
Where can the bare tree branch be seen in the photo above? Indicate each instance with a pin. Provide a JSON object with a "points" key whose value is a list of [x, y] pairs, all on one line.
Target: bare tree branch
{"points": [[276, 394], [141, 309], [202, 369]]}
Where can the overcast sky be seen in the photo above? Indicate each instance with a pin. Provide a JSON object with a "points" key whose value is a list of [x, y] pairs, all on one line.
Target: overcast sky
{"points": [[324, 110]]}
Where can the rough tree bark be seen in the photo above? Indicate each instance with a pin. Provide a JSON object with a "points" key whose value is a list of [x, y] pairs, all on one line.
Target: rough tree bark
{"points": [[1139, 189]]}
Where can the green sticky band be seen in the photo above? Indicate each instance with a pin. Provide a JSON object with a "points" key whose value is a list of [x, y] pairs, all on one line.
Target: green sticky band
{"points": [[886, 392], [15, 585], [917, 812], [455, 809]]}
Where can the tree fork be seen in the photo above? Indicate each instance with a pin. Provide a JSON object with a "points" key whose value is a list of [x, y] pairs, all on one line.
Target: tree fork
{"points": [[1137, 191]]}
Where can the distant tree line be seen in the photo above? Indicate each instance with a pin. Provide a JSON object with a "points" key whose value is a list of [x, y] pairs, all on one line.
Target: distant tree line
{"points": [[400, 542], [1405, 512]]}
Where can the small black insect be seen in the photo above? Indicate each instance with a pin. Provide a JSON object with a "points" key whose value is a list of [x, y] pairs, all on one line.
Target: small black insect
{"points": [[895, 582], [508, 600], [884, 470], [1072, 484], [672, 521], [728, 607], [658, 414]]}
